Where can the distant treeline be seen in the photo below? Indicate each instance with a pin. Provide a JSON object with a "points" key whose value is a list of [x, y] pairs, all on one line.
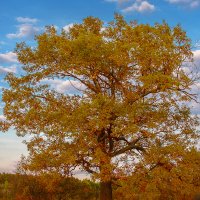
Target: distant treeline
{"points": [[159, 184], [26, 187]]}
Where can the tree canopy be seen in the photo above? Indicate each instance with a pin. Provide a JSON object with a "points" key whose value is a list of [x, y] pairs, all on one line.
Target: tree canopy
{"points": [[131, 96]]}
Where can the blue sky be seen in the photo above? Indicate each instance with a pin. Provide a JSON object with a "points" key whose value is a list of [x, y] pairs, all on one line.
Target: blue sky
{"points": [[20, 20]]}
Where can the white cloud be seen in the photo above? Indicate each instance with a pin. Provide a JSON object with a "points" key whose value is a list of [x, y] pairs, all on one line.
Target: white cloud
{"points": [[26, 20], [2, 118], [68, 26], [24, 30], [195, 107], [145, 5], [8, 57], [136, 5], [12, 69], [65, 86], [197, 44], [194, 4], [196, 56], [193, 68], [140, 6], [190, 3], [196, 60]]}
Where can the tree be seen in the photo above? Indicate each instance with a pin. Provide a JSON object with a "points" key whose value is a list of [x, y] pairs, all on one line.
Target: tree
{"points": [[131, 94], [171, 173]]}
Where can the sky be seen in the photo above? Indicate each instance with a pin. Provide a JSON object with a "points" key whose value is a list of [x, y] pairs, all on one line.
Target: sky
{"points": [[20, 20]]}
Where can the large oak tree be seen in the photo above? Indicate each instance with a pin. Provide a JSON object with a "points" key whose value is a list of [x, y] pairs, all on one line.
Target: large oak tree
{"points": [[132, 89]]}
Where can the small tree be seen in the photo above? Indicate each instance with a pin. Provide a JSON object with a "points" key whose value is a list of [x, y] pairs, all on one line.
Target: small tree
{"points": [[131, 94]]}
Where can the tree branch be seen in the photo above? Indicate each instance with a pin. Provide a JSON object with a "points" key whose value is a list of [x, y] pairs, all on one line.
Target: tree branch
{"points": [[122, 138], [86, 165], [127, 148], [84, 82]]}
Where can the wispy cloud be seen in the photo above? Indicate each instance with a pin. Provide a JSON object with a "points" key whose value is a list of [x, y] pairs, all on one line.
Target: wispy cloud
{"points": [[2, 118], [26, 20], [193, 67], [140, 6], [24, 30], [8, 57], [12, 69], [188, 3], [196, 56], [146, 5]]}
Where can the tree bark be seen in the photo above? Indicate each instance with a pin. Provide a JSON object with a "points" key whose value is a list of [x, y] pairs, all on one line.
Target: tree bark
{"points": [[105, 190]]}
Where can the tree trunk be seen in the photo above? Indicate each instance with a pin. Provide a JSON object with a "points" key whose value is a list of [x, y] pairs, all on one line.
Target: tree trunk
{"points": [[106, 190]]}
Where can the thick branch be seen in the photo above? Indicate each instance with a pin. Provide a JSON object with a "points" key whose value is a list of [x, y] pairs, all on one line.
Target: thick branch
{"points": [[143, 93], [122, 138], [127, 148]]}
